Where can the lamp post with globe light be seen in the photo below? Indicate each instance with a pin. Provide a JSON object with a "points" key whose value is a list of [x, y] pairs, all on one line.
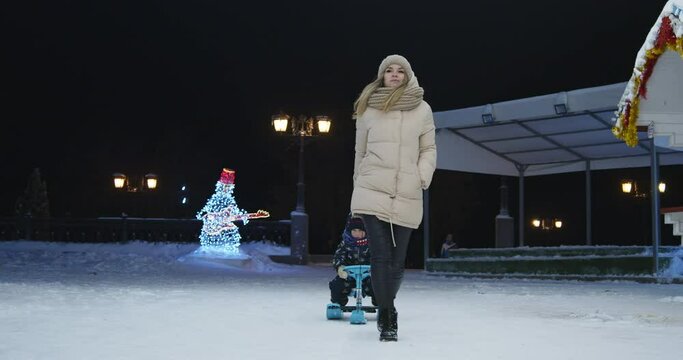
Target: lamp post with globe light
{"points": [[302, 127]]}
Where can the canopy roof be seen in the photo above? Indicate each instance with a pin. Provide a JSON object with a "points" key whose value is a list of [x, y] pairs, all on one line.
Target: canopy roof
{"points": [[549, 134]]}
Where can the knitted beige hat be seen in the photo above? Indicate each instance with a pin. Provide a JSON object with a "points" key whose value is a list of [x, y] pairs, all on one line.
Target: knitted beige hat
{"points": [[398, 60]]}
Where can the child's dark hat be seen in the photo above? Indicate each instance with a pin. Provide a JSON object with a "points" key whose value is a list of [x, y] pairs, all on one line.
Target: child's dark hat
{"points": [[355, 223]]}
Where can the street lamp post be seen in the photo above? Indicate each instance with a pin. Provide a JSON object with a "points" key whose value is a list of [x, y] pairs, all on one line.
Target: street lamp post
{"points": [[123, 183], [302, 127], [630, 187]]}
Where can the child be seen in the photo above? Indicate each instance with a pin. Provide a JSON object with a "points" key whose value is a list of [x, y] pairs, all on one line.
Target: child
{"points": [[352, 250]]}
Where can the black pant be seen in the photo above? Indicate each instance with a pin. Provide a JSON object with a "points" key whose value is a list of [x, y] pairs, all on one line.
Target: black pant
{"points": [[387, 262], [341, 288]]}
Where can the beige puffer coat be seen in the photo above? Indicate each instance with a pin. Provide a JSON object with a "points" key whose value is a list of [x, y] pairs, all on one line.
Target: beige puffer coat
{"points": [[395, 161]]}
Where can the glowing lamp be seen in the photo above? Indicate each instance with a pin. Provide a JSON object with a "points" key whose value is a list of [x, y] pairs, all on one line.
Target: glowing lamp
{"points": [[627, 186], [151, 180], [119, 180], [280, 122], [324, 124], [557, 223], [662, 187]]}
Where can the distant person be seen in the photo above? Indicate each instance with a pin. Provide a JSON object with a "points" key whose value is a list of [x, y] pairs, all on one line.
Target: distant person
{"points": [[353, 249], [395, 160], [448, 244]]}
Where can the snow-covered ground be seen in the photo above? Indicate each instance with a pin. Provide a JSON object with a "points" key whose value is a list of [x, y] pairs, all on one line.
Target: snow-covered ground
{"points": [[138, 301]]}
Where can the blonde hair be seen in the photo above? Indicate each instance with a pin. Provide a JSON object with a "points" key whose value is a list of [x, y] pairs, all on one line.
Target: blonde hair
{"points": [[361, 104]]}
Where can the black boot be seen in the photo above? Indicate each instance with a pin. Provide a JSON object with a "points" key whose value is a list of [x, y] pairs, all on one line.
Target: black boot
{"points": [[389, 329], [381, 315]]}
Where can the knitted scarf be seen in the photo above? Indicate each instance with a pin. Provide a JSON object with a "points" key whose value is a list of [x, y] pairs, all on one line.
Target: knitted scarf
{"points": [[352, 241], [411, 98]]}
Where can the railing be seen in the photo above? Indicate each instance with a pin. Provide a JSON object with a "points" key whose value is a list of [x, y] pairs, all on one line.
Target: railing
{"points": [[123, 229]]}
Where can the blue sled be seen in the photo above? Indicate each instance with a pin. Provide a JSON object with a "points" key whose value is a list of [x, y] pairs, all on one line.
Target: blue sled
{"points": [[335, 311]]}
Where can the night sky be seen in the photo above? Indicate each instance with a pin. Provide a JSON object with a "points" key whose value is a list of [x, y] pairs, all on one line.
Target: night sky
{"points": [[184, 88]]}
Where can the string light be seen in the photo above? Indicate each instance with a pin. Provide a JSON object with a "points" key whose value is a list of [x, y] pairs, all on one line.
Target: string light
{"points": [[219, 234]]}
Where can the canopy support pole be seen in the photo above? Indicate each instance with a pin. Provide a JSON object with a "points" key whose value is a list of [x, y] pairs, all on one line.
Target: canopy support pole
{"points": [[654, 191], [521, 169], [589, 205]]}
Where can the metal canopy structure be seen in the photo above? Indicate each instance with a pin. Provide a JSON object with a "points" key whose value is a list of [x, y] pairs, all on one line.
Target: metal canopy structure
{"points": [[555, 140], [543, 135]]}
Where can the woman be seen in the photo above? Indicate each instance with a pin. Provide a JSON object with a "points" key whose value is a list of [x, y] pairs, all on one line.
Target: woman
{"points": [[395, 161]]}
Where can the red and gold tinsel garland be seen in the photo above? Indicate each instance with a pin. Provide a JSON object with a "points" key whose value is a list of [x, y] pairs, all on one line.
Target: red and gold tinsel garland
{"points": [[666, 40]]}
